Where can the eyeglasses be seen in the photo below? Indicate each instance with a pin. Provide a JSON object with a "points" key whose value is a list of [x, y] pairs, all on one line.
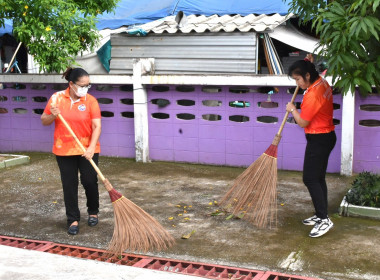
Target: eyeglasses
{"points": [[84, 87]]}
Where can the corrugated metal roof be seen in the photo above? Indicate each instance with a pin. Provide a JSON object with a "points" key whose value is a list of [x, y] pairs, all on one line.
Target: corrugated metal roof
{"points": [[132, 12], [214, 23], [193, 44]]}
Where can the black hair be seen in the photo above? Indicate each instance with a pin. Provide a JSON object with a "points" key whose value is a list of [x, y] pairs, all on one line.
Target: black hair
{"points": [[302, 67], [73, 74]]}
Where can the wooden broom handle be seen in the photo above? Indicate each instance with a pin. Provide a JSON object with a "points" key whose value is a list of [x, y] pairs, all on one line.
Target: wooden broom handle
{"points": [[287, 113], [82, 147], [277, 137], [13, 57]]}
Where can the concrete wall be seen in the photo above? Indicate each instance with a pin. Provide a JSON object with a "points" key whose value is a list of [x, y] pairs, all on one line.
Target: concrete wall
{"points": [[201, 126]]}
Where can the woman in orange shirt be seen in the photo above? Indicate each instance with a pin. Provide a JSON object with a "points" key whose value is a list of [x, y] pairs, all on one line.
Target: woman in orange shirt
{"points": [[316, 117], [81, 111]]}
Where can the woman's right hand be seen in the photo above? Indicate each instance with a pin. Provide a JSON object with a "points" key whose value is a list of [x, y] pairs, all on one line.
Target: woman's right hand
{"points": [[55, 111]]}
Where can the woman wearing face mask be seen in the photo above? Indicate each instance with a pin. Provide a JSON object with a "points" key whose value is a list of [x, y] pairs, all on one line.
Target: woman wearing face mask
{"points": [[316, 117], [81, 111]]}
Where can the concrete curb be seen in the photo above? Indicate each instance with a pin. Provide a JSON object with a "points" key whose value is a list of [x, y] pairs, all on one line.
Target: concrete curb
{"points": [[15, 160], [346, 209]]}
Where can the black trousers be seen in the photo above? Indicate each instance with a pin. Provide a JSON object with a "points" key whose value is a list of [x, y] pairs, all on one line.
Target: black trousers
{"points": [[69, 167], [318, 149]]}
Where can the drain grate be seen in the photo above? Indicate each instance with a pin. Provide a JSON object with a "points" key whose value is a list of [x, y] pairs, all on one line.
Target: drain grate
{"points": [[93, 254], [204, 270], [175, 266], [24, 243]]}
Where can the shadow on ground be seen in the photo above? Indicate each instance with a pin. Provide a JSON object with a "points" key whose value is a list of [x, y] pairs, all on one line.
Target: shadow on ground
{"points": [[182, 197]]}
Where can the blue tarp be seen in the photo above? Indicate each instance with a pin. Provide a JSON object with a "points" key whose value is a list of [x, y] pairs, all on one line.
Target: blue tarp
{"points": [[7, 28], [132, 12]]}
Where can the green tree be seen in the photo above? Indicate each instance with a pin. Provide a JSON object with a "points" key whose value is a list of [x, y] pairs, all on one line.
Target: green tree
{"points": [[349, 37], [55, 31]]}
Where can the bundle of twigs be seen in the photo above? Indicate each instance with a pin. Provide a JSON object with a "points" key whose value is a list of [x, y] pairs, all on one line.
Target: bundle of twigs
{"points": [[253, 195], [134, 229]]}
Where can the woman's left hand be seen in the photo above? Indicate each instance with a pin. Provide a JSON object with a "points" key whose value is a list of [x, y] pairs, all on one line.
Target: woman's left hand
{"points": [[89, 153]]}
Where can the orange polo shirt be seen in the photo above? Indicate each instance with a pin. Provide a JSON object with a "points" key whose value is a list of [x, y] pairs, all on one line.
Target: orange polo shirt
{"points": [[317, 107], [79, 116]]}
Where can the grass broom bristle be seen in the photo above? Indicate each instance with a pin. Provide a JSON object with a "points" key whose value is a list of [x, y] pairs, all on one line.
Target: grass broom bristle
{"points": [[135, 229], [254, 192], [253, 195]]}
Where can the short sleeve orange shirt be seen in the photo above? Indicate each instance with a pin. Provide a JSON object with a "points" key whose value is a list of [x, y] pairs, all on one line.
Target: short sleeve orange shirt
{"points": [[317, 107], [79, 116]]}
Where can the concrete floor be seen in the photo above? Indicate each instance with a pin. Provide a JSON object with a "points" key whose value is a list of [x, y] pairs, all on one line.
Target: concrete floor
{"points": [[21, 264], [182, 197]]}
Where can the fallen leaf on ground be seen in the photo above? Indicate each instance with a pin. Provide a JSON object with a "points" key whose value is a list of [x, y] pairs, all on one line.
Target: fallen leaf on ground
{"points": [[230, 217], [187, 236], [241, 215], [218, 213]]}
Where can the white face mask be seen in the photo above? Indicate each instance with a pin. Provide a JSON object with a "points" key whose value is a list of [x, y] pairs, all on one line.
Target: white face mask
{"points": [[81, 91]]}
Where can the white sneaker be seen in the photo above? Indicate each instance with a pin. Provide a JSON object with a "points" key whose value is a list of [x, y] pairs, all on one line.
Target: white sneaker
{"points": [[311, 221], [321, 227]]}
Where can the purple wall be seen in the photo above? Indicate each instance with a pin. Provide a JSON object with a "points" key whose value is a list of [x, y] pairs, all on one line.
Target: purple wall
{"points": [[367, 134], [118, 137], [21, 128], [23, 131], [226, 142], [198, 140]]}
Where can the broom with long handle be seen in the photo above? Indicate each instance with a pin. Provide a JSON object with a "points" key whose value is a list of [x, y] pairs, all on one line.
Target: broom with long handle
{"points": [[253, 195], [134, 229]]}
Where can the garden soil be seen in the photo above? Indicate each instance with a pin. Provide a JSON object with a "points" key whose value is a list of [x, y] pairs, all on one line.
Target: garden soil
{"points": [[183, 198]]}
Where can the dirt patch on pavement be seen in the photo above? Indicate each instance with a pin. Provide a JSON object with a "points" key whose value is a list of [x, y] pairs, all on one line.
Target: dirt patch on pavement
{"points": [[182, 197]]}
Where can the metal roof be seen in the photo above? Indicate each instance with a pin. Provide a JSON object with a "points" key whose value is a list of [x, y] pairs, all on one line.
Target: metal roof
{"points": [[132, 12], [214, 23]]}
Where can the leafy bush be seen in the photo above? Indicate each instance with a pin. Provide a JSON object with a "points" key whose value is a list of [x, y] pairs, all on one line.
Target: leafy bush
{"points": [[365, 190], [348, 33], [55, 31]]}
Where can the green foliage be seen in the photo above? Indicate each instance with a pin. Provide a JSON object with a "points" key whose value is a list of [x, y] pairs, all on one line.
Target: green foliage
{"points": [[349, 37], [55, 31], [365, 190]]}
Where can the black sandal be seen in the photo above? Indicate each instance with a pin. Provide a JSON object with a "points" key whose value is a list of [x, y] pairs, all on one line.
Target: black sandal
{"points": [[92, 221], [73, 229]]}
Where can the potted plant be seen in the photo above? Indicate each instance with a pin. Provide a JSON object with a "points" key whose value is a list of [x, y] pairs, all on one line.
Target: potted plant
{"points": [[363, 199]]}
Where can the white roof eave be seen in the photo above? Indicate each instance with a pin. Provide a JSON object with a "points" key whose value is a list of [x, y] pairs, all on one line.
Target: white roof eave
{"points": [[293, 37]]}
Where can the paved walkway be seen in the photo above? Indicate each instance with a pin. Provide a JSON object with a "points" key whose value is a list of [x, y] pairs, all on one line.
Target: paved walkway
{"points": [[22, 264]]}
